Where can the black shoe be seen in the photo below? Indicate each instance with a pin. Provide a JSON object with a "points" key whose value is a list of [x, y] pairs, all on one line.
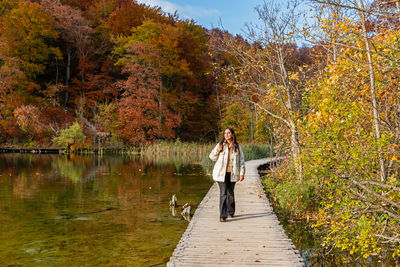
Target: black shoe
{"points": [[222, 219], [231, 216]]}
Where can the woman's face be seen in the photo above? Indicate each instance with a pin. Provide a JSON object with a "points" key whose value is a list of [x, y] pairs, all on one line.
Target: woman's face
{"points": [[228, 135]]}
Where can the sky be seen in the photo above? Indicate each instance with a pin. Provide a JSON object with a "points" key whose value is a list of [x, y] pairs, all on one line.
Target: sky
{"points": [[233, 14]]}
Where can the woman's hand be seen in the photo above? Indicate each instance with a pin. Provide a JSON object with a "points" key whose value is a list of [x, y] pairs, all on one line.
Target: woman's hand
{"points": [[241, 178], [219, 149]]}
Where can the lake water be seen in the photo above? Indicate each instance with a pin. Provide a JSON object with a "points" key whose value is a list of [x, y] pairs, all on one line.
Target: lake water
{"points": [[68, 210]]}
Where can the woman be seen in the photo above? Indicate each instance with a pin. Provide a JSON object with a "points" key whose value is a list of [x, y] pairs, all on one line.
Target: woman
{"points": [[228, 169]]}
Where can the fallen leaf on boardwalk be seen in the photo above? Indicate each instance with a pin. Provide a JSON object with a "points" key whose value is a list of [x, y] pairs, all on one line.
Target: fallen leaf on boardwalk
{"points": [[194, 247], [257, 261], [224, 253], [259, 196], [229, 239], [262, 246], [251, 193]]}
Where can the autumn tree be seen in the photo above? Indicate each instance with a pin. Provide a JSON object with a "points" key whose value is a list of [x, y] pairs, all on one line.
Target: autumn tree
{"points": [[267, 75], [89, 81], [350, 138], [71, 137], [143, 116], [181, 59], [75, 31], [27, 35], [7, 5], [29, 119], [339, 153], [106, 120], [27, 45], [10, 75], [130, 14]]}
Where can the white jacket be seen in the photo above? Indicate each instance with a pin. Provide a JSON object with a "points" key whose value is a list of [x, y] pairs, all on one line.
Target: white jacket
{"points": [[221, 158]]}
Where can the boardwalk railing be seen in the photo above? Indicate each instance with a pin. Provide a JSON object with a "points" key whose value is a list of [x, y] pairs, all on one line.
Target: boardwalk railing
{"points": [[253, 237]]}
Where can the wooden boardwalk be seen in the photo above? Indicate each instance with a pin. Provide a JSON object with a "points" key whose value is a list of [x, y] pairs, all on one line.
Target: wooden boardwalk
{"points": [[32, 150], [253, 237]]}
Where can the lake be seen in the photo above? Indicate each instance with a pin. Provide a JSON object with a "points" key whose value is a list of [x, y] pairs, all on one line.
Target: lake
{"points": [[58, 210]]}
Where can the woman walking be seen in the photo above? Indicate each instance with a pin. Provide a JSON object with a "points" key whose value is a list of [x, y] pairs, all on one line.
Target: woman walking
{"points": [[228, 169]]}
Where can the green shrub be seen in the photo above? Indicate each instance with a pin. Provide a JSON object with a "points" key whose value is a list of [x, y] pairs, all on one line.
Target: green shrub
{"points": [[295, 197], [72, 136], [256, 151], [269, 184]]}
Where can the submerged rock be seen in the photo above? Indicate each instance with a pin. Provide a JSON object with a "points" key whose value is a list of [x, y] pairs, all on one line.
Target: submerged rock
{"points": [[81, 219]]}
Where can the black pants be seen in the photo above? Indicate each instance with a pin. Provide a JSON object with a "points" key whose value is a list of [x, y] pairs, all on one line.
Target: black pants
{"points": [[226, 197]]}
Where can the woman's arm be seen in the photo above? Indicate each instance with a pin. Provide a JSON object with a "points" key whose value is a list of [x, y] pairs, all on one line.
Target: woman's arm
{"points": [[214, 153], [241, 164]]}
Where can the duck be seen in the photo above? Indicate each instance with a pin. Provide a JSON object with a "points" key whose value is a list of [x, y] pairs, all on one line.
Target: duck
{"points": [[173, 201], [186, 210]]}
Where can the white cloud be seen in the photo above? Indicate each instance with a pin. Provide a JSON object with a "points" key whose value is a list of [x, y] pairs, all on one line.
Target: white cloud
{"points": [[186, 12]]}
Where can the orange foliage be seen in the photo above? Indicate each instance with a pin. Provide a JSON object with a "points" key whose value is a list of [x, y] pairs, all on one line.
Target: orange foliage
{"points": [[28, 117], [129, 14], [77, 72], [56, 118], [143, 118]]}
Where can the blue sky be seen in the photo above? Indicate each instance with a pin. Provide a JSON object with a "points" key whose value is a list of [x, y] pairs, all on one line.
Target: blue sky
{"points": [[232, 13]]}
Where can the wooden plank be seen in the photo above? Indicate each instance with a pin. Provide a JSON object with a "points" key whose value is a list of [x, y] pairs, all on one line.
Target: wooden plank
{"points": [[254, 237]]}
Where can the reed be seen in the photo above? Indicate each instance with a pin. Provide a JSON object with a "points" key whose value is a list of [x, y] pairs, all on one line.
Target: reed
{"points": [[253, 151], [193, 152], [178, 152]]}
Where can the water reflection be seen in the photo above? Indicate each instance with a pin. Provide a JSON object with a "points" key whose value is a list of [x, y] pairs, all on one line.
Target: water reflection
{"points": [[76, 210]]}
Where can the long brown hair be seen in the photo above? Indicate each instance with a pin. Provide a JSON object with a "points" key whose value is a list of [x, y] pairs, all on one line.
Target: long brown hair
{"points": [[223, 141]]}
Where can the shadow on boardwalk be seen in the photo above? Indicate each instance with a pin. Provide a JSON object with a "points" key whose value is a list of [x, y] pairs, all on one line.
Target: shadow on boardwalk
{"points": [[250, 216]]}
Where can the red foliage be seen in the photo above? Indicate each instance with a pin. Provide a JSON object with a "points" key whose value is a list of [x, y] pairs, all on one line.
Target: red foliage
{"points": [[56, 118], [74, 28], [8, 123], [10, 73], [140, 113], [29, 118], [81, 4], [92, 82], [129, 14], [8, 128]]}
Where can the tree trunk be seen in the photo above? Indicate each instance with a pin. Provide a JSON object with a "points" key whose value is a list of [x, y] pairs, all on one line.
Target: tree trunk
{"points": [[294, 138], [57, 96], [373, 94], [255, 112], [251, 126], [56, 71], [219, 105], [160, 101], [296, 151], [68, 74], [271, 140]]}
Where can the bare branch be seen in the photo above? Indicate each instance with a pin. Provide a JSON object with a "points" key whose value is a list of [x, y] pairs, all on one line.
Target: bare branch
{"points": [[360, 9], [366, 189]]}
